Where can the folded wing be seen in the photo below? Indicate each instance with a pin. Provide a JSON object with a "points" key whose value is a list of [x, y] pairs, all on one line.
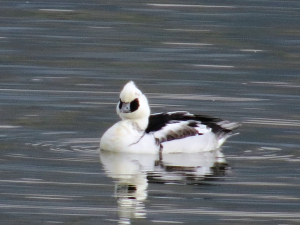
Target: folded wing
{"points": [[182, 124]]}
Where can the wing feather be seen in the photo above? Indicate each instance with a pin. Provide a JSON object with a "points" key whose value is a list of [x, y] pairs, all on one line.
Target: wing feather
{"points": [[181, 124]]}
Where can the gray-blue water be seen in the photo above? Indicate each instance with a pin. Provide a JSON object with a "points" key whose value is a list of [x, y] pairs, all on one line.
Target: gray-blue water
{"points": [[62, 65]]}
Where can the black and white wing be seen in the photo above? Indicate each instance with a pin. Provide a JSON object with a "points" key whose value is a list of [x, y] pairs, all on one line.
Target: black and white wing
{"points": [[181, 124]]}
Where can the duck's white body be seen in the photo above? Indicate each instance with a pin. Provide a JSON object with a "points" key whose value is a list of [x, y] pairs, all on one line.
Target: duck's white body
{"points": [[124, 136], [140, 132]]}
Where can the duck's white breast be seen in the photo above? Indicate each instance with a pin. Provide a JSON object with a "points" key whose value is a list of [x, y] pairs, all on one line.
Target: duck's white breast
{"points": [[125, 136]]}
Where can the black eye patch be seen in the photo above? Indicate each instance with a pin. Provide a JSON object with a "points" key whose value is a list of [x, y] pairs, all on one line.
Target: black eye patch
{"points": [[134, 105], [120, 104]]}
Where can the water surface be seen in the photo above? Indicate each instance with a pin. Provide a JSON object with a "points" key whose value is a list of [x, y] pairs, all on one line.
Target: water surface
{"points": [[62, 67]]}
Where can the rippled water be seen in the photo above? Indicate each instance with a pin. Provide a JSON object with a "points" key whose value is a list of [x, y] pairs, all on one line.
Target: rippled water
{"points": [[62, 67]]}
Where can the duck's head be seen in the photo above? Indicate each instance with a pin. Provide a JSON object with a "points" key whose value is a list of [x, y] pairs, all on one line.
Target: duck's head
{"points": [[133, 104]]}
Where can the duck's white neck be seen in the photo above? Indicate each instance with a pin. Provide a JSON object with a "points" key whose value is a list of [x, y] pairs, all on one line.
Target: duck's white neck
{"points": [[142, 123]]}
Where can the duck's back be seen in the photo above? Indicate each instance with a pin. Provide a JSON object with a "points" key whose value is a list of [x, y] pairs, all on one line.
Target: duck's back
{"points": [[185, 132]]}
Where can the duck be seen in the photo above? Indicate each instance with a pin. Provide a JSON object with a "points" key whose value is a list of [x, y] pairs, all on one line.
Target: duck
{"points": [[139, 131]]}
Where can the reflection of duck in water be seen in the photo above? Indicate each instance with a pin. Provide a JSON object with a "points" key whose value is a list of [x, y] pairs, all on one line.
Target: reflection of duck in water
{"points": [[192, 168], [132, 172], [140, 132]]}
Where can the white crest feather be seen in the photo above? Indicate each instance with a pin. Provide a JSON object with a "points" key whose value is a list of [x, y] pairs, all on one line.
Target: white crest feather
{"points": [[130, 92]]}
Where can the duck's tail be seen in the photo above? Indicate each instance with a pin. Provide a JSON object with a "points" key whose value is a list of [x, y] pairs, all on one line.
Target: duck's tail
{"points": [[226, 131]]}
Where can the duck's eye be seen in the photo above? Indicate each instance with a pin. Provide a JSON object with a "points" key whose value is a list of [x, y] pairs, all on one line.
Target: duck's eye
{"points": [[120, 104], [134, 105]]}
